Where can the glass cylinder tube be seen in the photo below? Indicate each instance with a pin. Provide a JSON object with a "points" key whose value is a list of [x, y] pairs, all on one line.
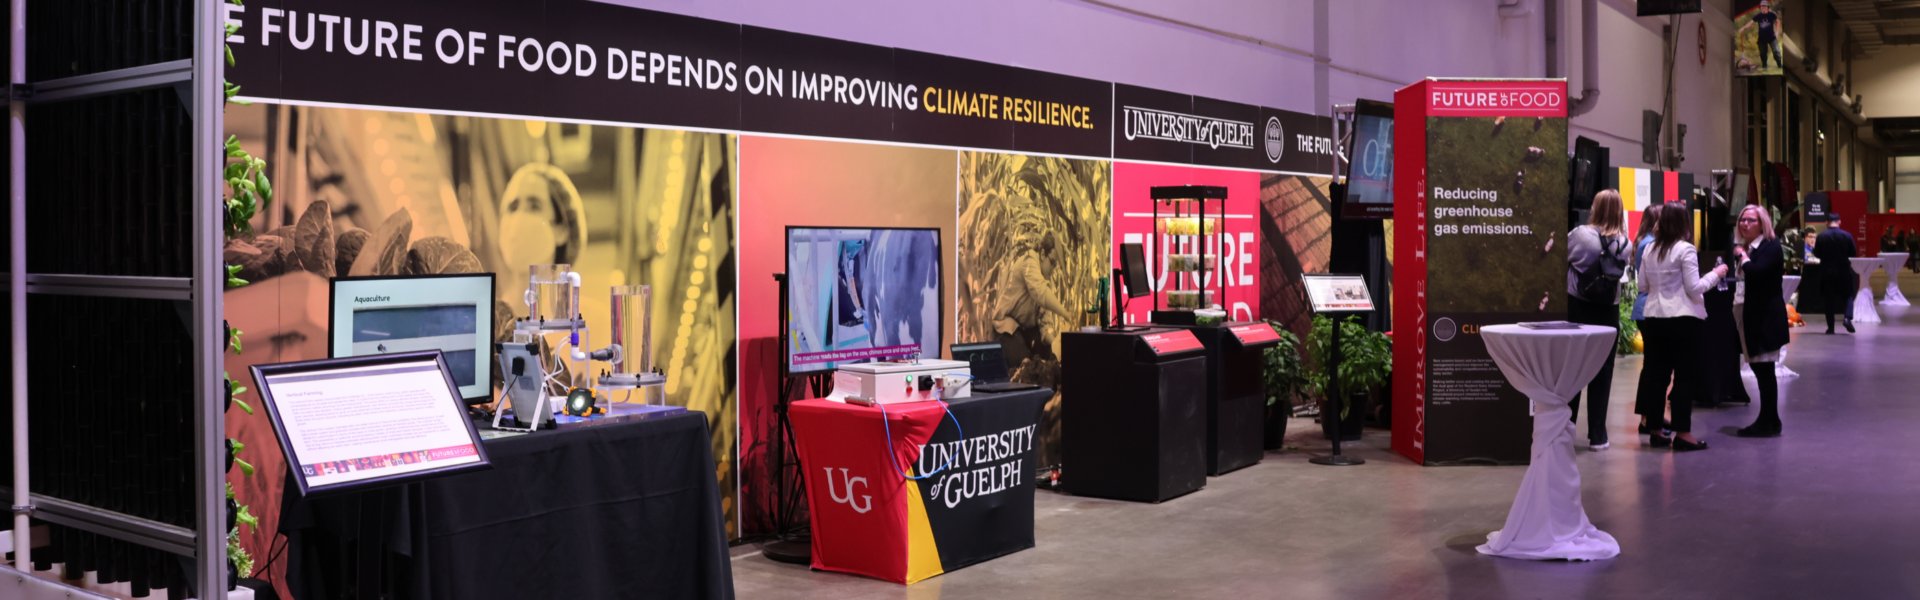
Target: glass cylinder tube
{"points": [[633, 328], [552, 298]]}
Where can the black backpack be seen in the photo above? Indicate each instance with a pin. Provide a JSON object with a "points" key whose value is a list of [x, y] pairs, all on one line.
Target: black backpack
{"points": [[1601, 282]]}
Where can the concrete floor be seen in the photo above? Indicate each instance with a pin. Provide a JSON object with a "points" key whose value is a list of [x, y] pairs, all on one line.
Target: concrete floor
{"points": [[1828, 511]]}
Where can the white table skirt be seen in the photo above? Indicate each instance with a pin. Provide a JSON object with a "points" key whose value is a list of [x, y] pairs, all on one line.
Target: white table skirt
{"points": [[1550, 366], [1895, 262], [1788, 284], [1863, 309]]}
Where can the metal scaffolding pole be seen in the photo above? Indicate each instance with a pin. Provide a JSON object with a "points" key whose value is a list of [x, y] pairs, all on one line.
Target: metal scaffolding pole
{"points": [[209, 275]]}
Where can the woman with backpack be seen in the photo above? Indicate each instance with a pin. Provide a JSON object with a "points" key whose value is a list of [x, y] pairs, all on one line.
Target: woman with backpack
{"points": [[1759, 311], [1676, 321], [1596, 260]]}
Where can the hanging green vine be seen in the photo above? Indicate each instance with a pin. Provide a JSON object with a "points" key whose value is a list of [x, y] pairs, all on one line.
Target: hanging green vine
{"points": [[248, 192]]}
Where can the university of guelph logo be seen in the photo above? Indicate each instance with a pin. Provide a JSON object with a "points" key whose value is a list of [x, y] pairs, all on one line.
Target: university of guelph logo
{"points": [[866, 502]]}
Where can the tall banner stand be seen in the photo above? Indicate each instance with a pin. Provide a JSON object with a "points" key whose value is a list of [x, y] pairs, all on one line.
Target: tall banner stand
{"points": [[1481, 204]]}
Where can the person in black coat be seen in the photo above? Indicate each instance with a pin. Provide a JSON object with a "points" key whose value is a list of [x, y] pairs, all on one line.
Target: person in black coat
{"points": [[1838, 283], [1760, 311]]}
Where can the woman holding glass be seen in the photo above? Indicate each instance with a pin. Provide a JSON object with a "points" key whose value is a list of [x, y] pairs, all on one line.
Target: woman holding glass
{"points": [[1759, 311], [1676, 317]]}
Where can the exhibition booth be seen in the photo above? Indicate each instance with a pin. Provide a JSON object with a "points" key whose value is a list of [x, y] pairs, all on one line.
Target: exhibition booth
{"points": [[879, 297], [572, 299], [854, 286]]}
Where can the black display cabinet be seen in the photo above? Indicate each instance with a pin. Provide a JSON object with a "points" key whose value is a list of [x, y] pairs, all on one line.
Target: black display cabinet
{"points": [[1236, 402], [1135, 427]]}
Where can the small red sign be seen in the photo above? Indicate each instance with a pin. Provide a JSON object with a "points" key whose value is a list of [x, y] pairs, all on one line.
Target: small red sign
{"points": [[1255, 333], [1167, 342]]}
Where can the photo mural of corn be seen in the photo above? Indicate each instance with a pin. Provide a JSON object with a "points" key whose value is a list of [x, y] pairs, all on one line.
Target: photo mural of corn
{"points": [[1035, 236]]}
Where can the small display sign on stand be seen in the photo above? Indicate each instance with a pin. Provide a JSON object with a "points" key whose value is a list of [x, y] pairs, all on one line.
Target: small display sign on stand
{"points": [[1338, 293], [1168, 342], [1335, 294], [365, 422]]}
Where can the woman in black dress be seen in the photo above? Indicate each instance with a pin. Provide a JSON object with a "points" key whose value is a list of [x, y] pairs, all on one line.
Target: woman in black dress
{"points": [[1759, 311]]}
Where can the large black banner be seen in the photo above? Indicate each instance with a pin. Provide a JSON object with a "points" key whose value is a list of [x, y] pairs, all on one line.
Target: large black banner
{"points": [[591, 61]]}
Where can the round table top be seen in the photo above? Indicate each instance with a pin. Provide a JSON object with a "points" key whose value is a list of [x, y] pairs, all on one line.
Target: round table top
{"points": [[1515, 329], [1864, 265]]}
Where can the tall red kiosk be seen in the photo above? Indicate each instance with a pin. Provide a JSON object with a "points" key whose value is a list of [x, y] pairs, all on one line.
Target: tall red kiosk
{"points": [[1479, 231]]}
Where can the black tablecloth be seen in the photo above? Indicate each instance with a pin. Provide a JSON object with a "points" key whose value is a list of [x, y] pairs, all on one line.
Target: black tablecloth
{"points": [[625, 510]]}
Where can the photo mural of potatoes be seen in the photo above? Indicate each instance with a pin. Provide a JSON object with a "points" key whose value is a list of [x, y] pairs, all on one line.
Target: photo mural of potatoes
{"points": [[368, 192]]}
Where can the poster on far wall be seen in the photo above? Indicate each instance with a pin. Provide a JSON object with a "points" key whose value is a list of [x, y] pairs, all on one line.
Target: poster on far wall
{"points": [[1234, 250], [1760, 34], [1035, 239]]}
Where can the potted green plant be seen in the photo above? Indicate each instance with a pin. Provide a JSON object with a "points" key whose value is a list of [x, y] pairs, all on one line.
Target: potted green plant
{"points": [[1285, 379], [1366, 362]]}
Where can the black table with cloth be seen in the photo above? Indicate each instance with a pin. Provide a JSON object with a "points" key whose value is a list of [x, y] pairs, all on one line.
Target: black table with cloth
{"points": [[622, 510]]}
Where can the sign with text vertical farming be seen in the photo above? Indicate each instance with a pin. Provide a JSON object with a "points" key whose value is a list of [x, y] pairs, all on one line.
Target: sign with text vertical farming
{"points": [[1482, 243]]}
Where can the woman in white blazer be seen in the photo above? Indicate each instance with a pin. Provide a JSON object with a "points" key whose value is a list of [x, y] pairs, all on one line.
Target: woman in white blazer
{"points": [[1676, 315]]}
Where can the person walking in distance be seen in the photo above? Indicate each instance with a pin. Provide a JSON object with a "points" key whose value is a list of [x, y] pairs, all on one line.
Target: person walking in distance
{"points": [[1676, 321], [1838, 283], [1596, 258], [1759, 311]]}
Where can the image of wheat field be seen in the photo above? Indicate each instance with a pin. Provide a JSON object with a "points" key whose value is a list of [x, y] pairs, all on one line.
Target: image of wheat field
{"points": [[1021, 216]]}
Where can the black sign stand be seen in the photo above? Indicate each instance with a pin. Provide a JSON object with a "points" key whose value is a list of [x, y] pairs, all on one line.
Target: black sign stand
{"points": [[1337, 401], [792, 541]]}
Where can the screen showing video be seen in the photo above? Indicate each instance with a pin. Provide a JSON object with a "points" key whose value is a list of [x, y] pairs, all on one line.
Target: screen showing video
{"points": [[860, 295]]}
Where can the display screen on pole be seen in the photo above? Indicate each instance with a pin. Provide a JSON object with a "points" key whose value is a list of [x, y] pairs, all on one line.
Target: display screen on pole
{"points": [[408, 313], [860, 295], [363, 422], [1370, 167], [1338, 293]]}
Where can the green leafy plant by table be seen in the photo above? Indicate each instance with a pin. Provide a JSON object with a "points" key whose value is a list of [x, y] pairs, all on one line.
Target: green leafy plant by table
{"points": [[1285, 375], [1366, 358], [248, 192], [1629, 329]]}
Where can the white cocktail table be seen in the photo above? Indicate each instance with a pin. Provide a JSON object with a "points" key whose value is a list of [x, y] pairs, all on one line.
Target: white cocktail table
{"points": [[1550, 366], [1895, 262], [1863, 308], [1788, 284]]}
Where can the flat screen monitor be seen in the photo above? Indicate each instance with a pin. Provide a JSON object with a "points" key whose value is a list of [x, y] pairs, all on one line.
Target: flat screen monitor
{"points": [[859, 295], [369, 421], [1370, 166], [1133, 267], [406, 313], [986, 361]]}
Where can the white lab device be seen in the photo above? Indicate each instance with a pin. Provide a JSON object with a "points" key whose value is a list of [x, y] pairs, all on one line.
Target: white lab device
{"points": [[894, 383]]}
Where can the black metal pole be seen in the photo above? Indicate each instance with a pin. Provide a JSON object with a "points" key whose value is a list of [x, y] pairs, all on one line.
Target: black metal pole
{"points": [[1336, 401]]}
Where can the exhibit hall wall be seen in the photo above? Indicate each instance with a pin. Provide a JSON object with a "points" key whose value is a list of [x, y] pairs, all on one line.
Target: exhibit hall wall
{"points": [[649, 148]]}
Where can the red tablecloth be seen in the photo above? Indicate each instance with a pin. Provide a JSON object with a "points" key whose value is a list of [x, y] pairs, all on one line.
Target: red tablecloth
{"points": [[868, 518]]}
